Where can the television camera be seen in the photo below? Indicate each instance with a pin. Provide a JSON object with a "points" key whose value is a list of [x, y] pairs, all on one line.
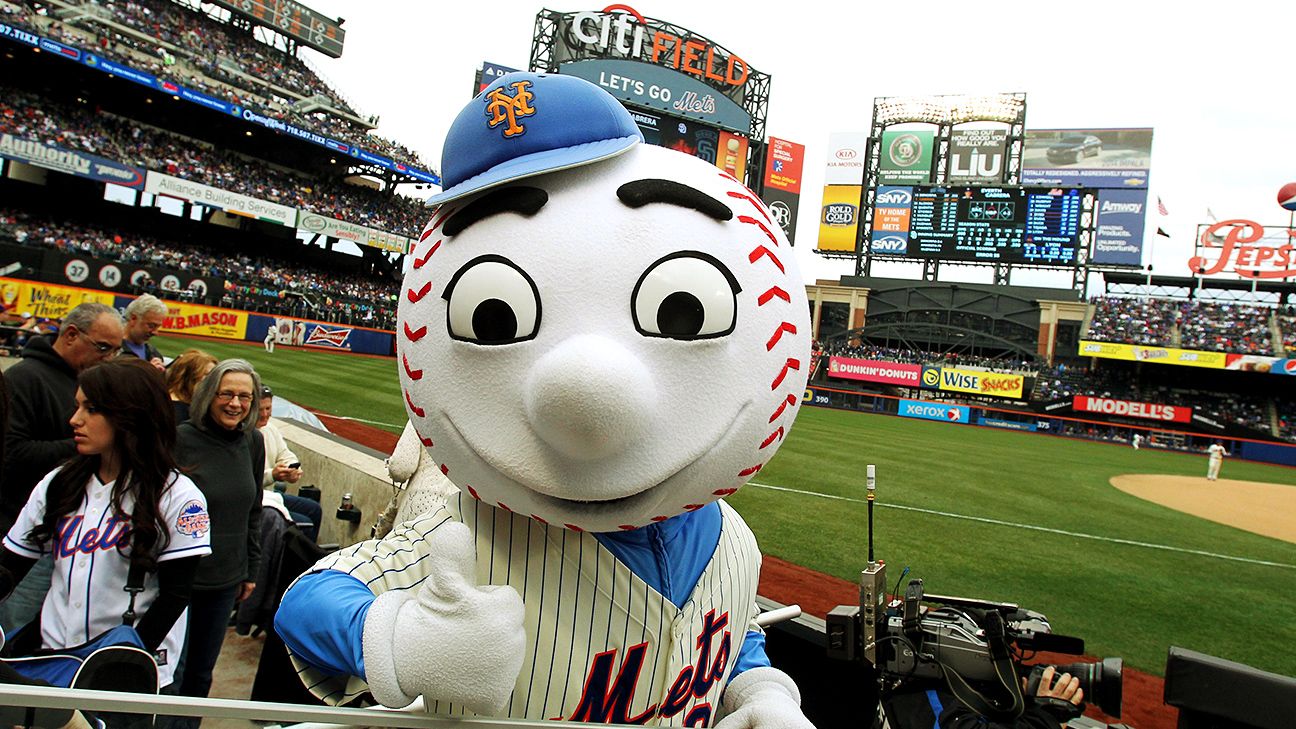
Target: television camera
{"points": [[975, 647]]}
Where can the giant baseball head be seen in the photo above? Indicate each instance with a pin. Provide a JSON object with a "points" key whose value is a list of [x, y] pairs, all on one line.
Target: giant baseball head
{"points": [[595, 332]]}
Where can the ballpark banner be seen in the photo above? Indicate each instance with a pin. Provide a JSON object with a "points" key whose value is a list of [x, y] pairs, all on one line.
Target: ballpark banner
{"points": [[905, 157], [978, 156], [1008, 424], [934, 411], [489, 72], [207, 321], [1260, 363], [71, 162], [87, 271], [1132, 409], [362, 235], [839, 218], [846, 151], [1119, 240], [869, 370], [784, 162], [976, 382], [892, 207], [1116, 158], [662, 89], [231, 202], [47, 301], [1159, 355]]}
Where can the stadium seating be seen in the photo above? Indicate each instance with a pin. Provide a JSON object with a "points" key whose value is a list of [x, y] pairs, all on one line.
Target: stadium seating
{"points": [[1200, 325], [24, 114]]}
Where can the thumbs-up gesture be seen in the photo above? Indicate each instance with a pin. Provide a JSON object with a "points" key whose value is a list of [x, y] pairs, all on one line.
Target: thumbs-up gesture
{"points": [[447, 639]]}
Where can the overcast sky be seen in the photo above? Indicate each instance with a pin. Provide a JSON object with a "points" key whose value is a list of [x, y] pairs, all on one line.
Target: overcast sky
{"points": [[1214, 80]]}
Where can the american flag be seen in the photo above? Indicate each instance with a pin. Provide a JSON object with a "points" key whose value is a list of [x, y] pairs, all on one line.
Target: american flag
{"points": [[1161, 208]]}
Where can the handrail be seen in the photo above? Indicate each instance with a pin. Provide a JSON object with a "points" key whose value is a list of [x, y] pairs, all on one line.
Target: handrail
{"points": [[49, 697]]}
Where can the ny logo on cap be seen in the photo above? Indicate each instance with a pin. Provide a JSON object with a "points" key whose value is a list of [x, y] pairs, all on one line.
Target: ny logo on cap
{"points": [[501, 108]]}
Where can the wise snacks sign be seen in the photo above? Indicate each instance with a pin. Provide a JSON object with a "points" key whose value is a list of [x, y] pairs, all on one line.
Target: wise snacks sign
{"points": [[1132, 409], [975, 382]]}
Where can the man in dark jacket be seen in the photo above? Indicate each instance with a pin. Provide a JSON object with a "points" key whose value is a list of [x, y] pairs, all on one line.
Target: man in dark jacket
{"points": [[42, 397], [144, 317]]}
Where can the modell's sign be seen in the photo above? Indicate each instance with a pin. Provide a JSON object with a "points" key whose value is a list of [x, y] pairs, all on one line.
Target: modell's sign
{"points": [[1132, 409], [1245, 248], [619, 31]]}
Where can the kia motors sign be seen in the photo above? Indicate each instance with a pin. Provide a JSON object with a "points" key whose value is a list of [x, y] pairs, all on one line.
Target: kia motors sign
{"points": [[845, 165], [1132, 409], [868, 370]]}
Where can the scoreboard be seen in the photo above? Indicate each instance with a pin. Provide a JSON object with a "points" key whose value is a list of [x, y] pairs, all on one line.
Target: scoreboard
{"points": [[293, 20], [985, 224]]}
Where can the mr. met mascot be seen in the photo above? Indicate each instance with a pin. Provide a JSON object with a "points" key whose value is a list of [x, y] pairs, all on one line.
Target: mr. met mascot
{"points": [[597, 340]]}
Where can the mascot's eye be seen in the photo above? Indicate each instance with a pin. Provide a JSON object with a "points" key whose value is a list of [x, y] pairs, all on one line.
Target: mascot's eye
{"points": [[686, 295], [492, 301]]}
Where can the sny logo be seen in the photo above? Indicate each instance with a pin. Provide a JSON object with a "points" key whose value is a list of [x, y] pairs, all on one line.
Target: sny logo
{"points": [[501, 108]]}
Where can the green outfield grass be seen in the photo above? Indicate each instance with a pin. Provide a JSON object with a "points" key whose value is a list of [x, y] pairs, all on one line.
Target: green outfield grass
{"points": [[1124, 599]]}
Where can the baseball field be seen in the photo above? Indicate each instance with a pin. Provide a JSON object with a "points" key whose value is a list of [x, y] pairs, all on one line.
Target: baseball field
{"points": [[1132, 565]]}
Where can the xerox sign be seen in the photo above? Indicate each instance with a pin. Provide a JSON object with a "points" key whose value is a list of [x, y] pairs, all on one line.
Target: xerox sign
{"points": [[933, 411]]}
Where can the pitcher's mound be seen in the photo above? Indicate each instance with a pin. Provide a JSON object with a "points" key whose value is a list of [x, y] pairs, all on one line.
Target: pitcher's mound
{"points": [[1262, 508]]}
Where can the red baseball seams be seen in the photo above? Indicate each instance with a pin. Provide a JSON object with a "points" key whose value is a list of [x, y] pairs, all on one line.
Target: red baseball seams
{"points": [[418, 262], [438, 217], [771, 293], [660, 518], [755, 203], [417, 296], [693, 507], [753, 221], [445, 470], [791, 364], [723, 492], [763, 251], [413, 408], [411, 373], [789, 400], [414, 334], [776, 435], [627, 527], [503, 506], [573, 527], [778, 334], [425, 441], [749, 471], [472, 492], [540, 519]]}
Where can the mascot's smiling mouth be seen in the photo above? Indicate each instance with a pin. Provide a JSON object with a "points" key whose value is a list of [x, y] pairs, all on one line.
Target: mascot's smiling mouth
{"points": [[601, 504]]}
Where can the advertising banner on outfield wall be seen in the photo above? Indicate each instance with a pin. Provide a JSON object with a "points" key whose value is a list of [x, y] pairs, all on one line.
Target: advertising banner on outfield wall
{"points": [[207, 321], [934, 411], [231, 202], [1159, 355], [839, 218], [47, 301], [71, 162], [1260, 363], [358, 234], [868, 370], [320, 335], [1132, 409], [976, 382]]}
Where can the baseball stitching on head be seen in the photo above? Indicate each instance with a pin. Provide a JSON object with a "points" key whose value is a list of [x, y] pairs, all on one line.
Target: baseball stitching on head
{"points": [[746, 195]]}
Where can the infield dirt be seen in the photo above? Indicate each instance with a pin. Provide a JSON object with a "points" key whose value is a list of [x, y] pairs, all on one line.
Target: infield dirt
{"points": [[1268, 509]]}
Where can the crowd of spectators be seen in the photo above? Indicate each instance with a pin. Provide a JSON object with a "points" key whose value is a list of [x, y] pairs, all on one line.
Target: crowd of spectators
{"points": [[1200, 325], [78, 127], [1006, 365], [1287, 324], [263, 284], [198, 51]]}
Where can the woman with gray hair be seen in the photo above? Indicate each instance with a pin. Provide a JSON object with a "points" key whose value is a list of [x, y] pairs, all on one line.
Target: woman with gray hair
{"points": [[220, 448]]}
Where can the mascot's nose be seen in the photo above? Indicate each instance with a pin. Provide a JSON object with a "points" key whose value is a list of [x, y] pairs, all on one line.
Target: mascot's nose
{"points": [[589, 398]]}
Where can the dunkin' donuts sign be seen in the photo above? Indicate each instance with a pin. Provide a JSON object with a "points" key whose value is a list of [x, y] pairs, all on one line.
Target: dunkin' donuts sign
{"points": [[1132, 409]]}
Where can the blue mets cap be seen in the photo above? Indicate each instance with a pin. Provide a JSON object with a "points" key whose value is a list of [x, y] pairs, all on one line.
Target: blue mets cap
{"points": [[526, 124]]}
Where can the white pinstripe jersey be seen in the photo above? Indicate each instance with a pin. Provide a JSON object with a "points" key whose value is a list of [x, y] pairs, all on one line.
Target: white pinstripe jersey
{"points": [[589, 620]]}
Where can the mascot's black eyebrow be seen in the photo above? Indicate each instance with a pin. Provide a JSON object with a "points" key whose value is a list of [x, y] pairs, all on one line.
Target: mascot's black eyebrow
{"points": [[515, 199], [641, 192]]}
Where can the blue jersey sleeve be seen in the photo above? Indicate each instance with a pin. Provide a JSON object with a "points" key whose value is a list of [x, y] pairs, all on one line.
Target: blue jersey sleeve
{"points": [[321, 620], [751, 655]]}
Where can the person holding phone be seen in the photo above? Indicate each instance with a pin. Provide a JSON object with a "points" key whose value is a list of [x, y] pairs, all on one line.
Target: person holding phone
{"points": [[282, 466]]}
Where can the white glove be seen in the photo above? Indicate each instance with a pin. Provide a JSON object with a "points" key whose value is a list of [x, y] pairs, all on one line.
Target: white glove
{"points": [[452, 641], [762, 698]]}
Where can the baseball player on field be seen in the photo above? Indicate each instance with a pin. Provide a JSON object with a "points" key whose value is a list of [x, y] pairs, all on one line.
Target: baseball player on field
{"points": [[597, 340]]}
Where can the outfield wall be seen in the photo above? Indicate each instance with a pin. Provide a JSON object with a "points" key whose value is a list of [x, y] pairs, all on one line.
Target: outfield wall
{"points": [[54, 301], [981, 415]]}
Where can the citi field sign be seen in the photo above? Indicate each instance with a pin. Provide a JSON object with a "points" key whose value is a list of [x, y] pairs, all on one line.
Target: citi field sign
{"points": [[620, 31]]}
